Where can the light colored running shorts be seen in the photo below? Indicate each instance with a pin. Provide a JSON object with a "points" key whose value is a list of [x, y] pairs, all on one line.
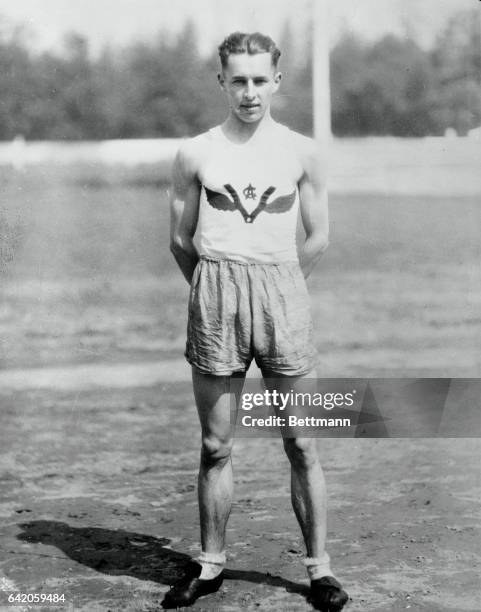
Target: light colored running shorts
{"points": [[239, 312]]}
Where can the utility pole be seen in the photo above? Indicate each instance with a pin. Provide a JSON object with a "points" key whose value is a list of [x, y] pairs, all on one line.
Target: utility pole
{"points": [[320, 73]]}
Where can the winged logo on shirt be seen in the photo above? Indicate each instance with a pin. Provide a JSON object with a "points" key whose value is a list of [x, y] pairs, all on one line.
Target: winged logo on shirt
{"points": [[221, 202]]}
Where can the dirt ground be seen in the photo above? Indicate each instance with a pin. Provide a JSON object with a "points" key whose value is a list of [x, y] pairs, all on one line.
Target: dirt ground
{"points": [[98, 431], [99, 503]]}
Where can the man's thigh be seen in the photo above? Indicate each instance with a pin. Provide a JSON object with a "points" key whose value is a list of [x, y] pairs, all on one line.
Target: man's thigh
{"points": [[305, 383], [217, 399]]}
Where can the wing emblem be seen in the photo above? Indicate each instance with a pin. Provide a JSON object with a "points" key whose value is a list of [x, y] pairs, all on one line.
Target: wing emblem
{"points": [[221, 202]]}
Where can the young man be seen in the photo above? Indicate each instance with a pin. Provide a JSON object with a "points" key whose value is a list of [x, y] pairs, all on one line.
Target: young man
{"points": [[239, 188]]}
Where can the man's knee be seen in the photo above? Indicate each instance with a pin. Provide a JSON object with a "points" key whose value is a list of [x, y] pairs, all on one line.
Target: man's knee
{"points": [[302, 452], [215, 451]]}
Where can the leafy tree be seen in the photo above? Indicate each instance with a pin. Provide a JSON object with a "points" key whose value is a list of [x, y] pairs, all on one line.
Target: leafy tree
{"points": [[457, 62], [17, 88], [380, 89]]}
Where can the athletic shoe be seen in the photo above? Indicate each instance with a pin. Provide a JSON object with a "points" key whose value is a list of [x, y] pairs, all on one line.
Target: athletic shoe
{"points": [[190, 587], [327, 595]]}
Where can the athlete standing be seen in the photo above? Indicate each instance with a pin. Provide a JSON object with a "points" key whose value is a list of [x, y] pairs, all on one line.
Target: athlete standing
{"points": [[239, 188]]}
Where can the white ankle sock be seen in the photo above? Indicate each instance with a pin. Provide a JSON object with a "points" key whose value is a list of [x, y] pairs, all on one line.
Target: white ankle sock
{"points": [[318, 567], [212, 564]]}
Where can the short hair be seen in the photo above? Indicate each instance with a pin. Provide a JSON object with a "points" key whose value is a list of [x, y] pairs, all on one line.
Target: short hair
{"points": [[241, 42]]}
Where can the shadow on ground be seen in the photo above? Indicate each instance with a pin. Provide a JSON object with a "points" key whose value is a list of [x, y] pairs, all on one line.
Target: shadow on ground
{"points": [[118, 552]]}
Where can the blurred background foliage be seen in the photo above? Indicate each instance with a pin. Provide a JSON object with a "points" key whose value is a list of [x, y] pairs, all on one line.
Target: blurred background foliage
{"points": [[166, 88]]}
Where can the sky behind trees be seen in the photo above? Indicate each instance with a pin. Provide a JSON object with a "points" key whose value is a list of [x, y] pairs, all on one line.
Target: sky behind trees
{"points": [[118, 22]]}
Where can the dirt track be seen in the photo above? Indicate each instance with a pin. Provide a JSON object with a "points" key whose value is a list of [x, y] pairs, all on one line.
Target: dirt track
{"points": [[99, 504], [98, 487]]}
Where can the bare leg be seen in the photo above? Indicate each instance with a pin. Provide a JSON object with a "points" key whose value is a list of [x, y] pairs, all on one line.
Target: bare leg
{"points": [[308, 493], [308, 488], [215, 481], [215, 484]]}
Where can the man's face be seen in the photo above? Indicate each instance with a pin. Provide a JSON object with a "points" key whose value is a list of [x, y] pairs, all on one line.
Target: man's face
{"points": [[249, 82]]}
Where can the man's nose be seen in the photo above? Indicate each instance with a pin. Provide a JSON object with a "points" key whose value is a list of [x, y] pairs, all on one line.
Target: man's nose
{"points": [[250, 91]]}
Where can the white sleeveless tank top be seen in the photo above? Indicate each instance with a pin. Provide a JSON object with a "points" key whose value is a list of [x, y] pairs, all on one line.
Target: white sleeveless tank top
{"points": [[249, 199]]}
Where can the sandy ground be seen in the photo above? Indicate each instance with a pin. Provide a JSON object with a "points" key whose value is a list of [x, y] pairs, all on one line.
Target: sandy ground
{"points": [[99, 503], [99, 436]]}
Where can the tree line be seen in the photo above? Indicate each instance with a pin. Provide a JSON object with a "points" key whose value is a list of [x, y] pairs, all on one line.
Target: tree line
{"points": [[165, 88]]}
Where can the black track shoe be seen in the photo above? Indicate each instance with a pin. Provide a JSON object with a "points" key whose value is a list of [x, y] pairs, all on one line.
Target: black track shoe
{"points": [[190, 587], [327, 595]]}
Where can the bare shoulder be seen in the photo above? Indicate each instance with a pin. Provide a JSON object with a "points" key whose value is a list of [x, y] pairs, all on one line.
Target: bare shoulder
{"points": [[188, 160], [191, 152], [310, 155]]}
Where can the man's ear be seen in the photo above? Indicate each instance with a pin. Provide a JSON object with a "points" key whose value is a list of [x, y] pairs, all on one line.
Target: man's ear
{"points": [[277, 80], [221, 80]]}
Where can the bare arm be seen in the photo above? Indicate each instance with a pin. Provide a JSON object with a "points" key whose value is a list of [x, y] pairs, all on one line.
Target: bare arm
{"points": [[184, 212], [314, 210]]}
